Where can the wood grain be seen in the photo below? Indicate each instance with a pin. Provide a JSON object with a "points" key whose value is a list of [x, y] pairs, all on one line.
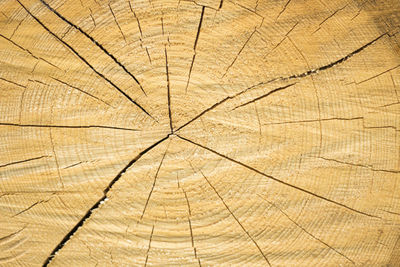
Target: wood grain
{"points": [[199, 133]]}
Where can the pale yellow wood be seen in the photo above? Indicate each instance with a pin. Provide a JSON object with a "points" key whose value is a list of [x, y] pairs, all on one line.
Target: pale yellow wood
{"points": [[199, 133]]}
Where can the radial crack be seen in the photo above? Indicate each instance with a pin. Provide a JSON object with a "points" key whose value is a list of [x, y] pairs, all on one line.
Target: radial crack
{"points": [[168, 91], [96, 205], [94, 41], [84, 60], [236, 219], [278, 180]]}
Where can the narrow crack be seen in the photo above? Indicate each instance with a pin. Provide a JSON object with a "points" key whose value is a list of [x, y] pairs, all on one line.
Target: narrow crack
{"points": [[96, 205], [94, 41], [189, 220], [9, 236], [82, 91], [377, 75], [265, 95], [330, 16], [314, 120], [85, 61], [359, 165], [12, 82], [283, 10], [22, 161], [149, 247], [195, 46], [73, 165], [123, 36], [55, 156], [278, 180], [67, 126], [31, 206]]}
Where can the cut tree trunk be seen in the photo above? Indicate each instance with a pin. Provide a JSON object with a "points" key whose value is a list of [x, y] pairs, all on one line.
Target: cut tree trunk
{"points": [[210, 133]]}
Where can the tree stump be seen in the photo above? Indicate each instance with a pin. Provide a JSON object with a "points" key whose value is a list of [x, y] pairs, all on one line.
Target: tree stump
{"points": [[206, 132]]}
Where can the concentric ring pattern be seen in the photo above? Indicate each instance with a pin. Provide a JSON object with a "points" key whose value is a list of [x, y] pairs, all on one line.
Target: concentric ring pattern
{"points": [[199, 133]]}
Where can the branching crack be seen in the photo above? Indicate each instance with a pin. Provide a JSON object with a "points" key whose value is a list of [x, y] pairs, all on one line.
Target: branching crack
{"points": [[236, 219], [154, 184], [27, 51], [96, 205], [240, 51], [307, 232], [140, 30], [278, 180], [94, 41], [301, 75], [85, 61]]}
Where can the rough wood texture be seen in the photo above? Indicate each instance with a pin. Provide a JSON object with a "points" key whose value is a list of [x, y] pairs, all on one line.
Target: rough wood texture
{"points": [[163, 132]]}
